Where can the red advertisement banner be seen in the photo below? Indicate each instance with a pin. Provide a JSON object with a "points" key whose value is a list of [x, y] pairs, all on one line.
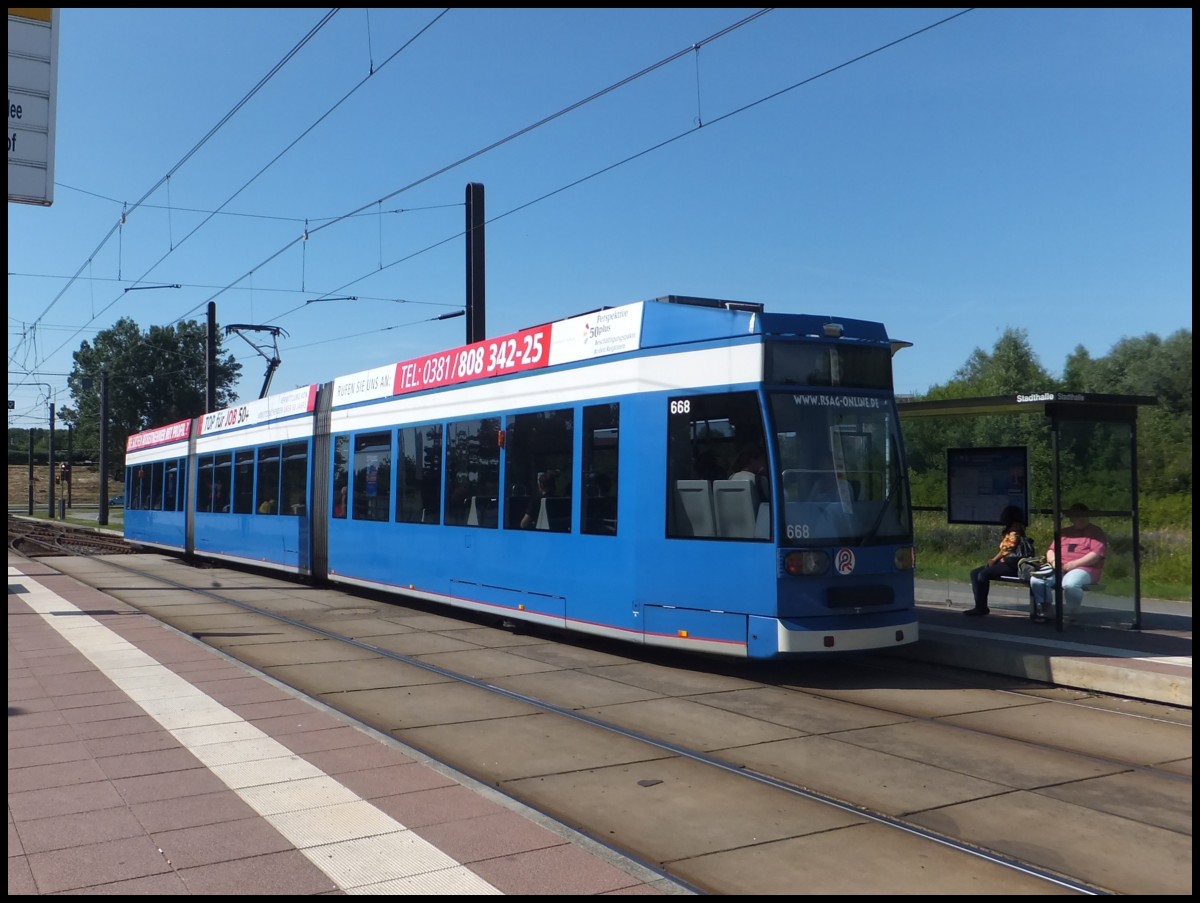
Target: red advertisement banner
{"points": [[528, 349]]}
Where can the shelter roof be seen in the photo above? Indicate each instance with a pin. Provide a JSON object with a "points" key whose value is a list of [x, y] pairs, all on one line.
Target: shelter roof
{"points": [[1065, 405]]}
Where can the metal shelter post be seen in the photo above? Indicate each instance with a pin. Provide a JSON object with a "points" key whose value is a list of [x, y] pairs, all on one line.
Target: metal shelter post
{"points": [[1137, 534], [1056, 514]]}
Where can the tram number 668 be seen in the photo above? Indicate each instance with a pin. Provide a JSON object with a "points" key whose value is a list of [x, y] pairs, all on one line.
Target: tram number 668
{"points": [[681, 406], [797, 531]]}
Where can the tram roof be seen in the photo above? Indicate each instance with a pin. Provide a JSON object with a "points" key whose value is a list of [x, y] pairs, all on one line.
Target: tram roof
{"points": [[674, 318]]}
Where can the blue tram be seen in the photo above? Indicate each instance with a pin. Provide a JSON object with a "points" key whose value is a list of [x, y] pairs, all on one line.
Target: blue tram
{"points": [[681, 472]]}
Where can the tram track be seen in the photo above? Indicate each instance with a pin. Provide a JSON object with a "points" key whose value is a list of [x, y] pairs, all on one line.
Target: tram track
{"points": [[40, 539], [585, 755]]}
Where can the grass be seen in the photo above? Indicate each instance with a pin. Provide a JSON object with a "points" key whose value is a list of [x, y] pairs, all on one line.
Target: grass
{"points": [[951, 551], [85, 487]]}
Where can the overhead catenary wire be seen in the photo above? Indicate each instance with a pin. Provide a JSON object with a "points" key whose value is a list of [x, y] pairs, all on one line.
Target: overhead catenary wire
{"points": [[262, 170], [691, 48], [196, 147], [203, 285], [659, 145], [494, 145], [360, 210], [375, 203]]}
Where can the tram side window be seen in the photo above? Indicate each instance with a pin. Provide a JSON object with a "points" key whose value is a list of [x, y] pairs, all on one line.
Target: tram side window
{"points": [[267, 492], [599, 502], [341, 476], [294, 497], [472, 472], [222, 481], [243, 482], [171, 500], [709, 439], [204, 484], [213, 495], [156, 486], [419, 477], [539, 459], [133, 495], [372, 476]]}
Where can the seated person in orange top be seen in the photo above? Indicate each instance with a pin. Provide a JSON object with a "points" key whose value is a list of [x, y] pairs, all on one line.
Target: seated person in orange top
{"points": [[1014, 545], [1084, 548]]}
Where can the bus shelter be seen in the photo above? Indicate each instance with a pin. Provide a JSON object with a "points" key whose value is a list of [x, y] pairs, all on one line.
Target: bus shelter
{"points": [[1092, 441]]}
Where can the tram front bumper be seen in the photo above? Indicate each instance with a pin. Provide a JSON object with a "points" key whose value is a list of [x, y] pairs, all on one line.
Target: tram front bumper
{"points": [[831, 635]]}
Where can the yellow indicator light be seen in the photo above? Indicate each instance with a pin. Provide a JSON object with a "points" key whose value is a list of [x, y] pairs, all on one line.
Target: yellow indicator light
{"points": [[682, 633], [521, 607], [412, 586]]}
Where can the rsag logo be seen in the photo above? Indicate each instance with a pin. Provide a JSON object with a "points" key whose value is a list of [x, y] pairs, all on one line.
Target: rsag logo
{"points": [[843, 560]]}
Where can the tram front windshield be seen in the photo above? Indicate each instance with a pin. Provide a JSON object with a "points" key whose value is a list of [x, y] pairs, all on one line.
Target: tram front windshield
{"points": [[842, 475]]}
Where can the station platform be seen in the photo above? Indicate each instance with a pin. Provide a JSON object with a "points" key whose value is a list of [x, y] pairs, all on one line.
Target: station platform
{"points": [[1153, 663], [142, 762]]}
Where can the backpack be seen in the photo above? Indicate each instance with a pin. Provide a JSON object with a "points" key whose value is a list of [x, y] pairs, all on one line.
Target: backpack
{"points": [[1028, 567], [1025, 548], [1028, 561]]}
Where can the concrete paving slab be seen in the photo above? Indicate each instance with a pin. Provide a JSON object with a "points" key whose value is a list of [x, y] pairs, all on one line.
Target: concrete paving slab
{"points": [[1126, 856]]}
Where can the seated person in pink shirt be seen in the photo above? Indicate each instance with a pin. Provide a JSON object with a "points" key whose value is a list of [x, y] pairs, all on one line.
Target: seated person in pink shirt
{"points": [[1084, 547]]}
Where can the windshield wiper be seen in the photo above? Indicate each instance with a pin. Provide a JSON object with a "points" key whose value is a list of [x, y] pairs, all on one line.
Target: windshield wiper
{"points": [[870, 534]]}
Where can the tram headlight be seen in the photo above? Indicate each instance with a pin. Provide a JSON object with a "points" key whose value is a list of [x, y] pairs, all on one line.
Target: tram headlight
{"points": [[906, 558], [806, 562]]}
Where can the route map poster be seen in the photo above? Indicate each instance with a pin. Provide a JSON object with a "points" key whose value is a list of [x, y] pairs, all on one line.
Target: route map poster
{"points": [[982, 482]]}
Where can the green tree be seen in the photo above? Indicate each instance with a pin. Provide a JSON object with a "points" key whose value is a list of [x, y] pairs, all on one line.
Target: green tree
{"points": [[154, 378], [1145, 366], [1150, 366], [1011, 368]]}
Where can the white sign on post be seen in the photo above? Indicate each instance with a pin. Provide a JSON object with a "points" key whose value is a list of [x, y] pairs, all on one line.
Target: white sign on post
{"points": [[32, 87]]}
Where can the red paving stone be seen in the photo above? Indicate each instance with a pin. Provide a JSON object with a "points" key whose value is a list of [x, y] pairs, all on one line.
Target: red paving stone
{"points": [[103, 801]]}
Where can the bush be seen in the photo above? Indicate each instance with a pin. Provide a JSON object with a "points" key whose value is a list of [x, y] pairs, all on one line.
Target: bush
{"points": [[1166, 511]]}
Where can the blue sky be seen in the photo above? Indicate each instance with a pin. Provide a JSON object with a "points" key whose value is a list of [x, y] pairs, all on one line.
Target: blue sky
{"points": [[949, 175]]}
